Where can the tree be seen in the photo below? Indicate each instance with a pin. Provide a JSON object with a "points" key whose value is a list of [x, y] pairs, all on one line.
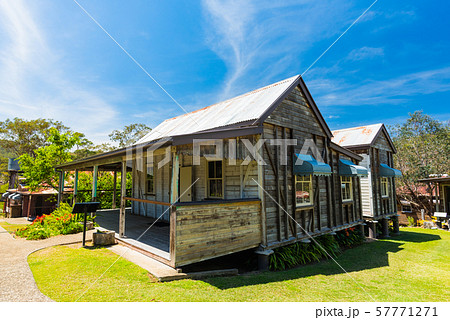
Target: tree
{"points": [[105, 182], [39, 168], [130, 134], [423, 148], [3, 171], [19, 136]]}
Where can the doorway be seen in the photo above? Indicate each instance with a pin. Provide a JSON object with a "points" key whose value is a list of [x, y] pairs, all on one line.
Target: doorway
{"points": [[185, 184]]}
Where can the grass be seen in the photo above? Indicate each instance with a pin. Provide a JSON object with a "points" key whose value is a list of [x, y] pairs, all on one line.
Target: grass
{"points": [[411, 267], [11, 228]]}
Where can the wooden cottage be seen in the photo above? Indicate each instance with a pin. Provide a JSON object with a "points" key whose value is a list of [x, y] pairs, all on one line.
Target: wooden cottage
{"points": [[374, 144], [258, 171]]}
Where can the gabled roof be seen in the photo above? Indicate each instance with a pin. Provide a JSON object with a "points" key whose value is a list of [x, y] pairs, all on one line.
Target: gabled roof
{"points": [[248, 109], [359, 137]]}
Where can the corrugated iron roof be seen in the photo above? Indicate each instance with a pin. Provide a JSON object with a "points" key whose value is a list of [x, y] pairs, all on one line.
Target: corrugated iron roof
{"points": [[364, 135], [247, 107]]}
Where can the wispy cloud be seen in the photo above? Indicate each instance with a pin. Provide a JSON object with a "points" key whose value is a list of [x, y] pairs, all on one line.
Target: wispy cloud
{"points": [[365, 53], [259, 41], [33, 82], [396, 90], [233, 38]]}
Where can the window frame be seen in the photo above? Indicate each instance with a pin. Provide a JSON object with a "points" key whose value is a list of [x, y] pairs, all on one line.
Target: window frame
{"points": [[348, 182], [311, 192], [384, 181], [147, 167], [208, 179]]}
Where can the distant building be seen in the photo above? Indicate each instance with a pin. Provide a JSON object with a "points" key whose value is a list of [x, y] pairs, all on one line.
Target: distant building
{"points": [[378, 191]]}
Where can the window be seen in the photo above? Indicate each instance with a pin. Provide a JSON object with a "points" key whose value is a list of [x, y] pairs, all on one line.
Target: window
{"points": [[215, 179], [406, 208], [384, 187], [303, 190], [150, 180], [346, 189]]}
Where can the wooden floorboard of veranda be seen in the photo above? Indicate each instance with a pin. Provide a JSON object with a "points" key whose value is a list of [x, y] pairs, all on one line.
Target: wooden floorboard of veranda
{"points": [[157, 236]]}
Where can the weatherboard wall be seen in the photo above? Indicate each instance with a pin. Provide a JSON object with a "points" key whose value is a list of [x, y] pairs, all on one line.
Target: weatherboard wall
{"points": [[376, 206], [210, 230], [285, 221]]}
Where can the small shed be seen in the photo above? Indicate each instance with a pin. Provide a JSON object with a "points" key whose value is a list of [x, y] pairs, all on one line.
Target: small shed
{"points": [[441, 187], [258, 171], [21, 202], [375, 146]]}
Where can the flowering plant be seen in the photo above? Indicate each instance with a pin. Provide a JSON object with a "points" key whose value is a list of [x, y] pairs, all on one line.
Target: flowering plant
{"points": [[349, 237], [60, 221]]}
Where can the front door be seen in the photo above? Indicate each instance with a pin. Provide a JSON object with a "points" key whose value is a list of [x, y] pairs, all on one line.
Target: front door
{"points": [[185, 184]]}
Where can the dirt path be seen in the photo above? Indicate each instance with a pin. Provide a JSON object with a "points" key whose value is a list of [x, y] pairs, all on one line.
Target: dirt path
{"points": [[16, 280]]}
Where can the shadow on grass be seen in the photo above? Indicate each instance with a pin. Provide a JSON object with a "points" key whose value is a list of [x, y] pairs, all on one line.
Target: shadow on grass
{"points": [[367, 256], [411, 236]]}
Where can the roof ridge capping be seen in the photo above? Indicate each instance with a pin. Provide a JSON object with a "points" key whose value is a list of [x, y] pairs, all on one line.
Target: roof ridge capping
{"points": [[360, 127]]}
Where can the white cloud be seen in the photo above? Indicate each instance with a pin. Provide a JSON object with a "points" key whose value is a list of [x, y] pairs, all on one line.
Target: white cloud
{"points": [[33, 83], [365, 53], [396, 90]]}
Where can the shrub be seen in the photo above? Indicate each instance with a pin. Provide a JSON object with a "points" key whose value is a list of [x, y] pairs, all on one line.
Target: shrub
{"points": [[349, 238], [303, 253], [322, 248], [60, 221], [411, 222]]}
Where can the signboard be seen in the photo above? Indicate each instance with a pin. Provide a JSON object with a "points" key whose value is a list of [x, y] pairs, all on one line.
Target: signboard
{"points": [[85, 207], [440, 214]]}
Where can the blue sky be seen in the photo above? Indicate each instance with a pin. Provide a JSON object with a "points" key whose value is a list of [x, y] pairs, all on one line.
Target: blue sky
{"points": [[57, 63]]}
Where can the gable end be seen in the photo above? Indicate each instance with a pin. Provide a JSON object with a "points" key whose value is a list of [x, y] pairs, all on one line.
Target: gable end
{"points": [[296, 109]]}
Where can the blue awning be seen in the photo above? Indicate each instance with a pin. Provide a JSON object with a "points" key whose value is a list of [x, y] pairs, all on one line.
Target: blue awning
{"points": [[304, 165], [386, 171], [349, 169]]}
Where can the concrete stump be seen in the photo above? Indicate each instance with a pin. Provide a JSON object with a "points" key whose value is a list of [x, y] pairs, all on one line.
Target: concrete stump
{"points": [[263, 259], [104, 238], [385, 228], [396, 226], [362, 230], [372, 230]]}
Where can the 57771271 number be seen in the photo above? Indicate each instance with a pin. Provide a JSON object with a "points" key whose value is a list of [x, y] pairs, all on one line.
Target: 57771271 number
{"points": [[406, 311]]}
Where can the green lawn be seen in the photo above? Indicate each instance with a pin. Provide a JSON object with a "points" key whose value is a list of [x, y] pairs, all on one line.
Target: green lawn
{"points": [[11, 228], [411, 267]]}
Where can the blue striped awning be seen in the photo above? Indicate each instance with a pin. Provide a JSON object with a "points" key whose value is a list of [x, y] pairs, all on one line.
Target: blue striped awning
{"points": [[305, 164], [386, 171], [349, 169]]}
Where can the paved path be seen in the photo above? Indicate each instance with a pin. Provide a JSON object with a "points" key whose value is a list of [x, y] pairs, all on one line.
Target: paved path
{"points": [[158, 269], [16, 280]]}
